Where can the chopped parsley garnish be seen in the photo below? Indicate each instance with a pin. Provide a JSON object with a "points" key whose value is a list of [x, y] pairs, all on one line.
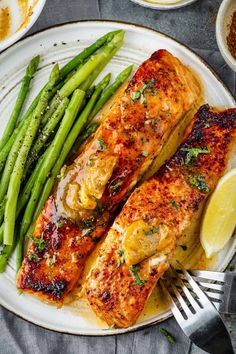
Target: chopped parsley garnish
{"points": [[143, 99], [184, 248], [120, 253], [34, 257], [39, 242], [207, 125], [147, 85], [88, 223], [121, 261], [174, 204], [144, 153], [102, 145], [135, 95], [134, 270], [199, 183], [152, 231], [90, 162], [169, 336], [194, 152], [116, 186], [154, 91], [59, 224]]}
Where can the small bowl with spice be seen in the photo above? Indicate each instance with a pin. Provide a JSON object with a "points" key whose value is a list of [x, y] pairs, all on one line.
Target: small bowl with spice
{"points": [[226, 32], [16, 18]]}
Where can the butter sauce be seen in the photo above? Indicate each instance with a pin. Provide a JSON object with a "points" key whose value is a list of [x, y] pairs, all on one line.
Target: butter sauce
{"points": [[188, 251]]}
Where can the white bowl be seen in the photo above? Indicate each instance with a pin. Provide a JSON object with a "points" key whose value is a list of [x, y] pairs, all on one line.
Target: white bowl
{"points": [[156, 6], [20, 18], [223, 21]]}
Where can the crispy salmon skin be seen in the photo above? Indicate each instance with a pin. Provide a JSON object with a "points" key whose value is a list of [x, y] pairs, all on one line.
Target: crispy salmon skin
{"points": [[139, 245], [130, 136]]}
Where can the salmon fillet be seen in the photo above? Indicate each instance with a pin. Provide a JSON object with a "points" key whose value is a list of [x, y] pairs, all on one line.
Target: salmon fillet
{"points": [[138, 247], [130, 136]]}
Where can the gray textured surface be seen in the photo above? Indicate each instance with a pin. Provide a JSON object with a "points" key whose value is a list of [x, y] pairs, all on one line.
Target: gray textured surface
{"points": [[194, 26]]}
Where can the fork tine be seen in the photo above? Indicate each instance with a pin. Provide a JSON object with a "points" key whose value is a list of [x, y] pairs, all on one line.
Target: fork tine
{"points": [[217, 276], [212, 286], [201, 295], [189, 296], [213, 296], [174, 308], [181, 300]]}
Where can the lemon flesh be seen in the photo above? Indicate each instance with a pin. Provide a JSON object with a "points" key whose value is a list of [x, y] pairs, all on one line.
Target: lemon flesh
{"points": [[220, 215]]}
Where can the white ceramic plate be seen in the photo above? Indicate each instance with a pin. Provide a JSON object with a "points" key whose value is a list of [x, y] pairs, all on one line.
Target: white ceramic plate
{"points": [[156, 6], [60, 44]]}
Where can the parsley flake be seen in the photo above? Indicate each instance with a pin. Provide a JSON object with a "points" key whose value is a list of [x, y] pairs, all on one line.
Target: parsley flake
{"points": [[134, 270], [199, 183], [152, 231], [102, 145], [40, 243], [169, 337], [194, 152], [115, 187], [174, 204], [135, 95], [33, 257]]}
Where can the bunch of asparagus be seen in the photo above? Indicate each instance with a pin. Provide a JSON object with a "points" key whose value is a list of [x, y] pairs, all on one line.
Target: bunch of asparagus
{"points": [[34, 148]]}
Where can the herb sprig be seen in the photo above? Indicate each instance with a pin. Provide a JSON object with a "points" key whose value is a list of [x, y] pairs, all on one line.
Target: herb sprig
{"points": [[167, 334], [134, 270], [194, 152], [199, 183]]}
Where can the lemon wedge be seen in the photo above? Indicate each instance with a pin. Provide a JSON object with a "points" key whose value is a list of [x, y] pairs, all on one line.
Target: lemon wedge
{"points": [[220, 215]]}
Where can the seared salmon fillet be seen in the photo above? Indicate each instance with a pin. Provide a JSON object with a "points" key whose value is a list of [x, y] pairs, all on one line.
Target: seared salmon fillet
{"points": [[130, 136], [138, 247]]}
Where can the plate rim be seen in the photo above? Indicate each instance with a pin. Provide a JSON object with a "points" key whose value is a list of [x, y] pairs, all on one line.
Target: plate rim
{"points": [[161, 7], [208, 66]]}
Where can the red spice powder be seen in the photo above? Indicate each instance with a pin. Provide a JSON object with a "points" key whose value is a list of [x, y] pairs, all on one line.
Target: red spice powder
{"points": [[231, 38]]}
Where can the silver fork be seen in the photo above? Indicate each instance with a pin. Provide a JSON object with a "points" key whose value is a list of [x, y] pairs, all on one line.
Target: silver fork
{"points": [[196, 315], [222, 292]]}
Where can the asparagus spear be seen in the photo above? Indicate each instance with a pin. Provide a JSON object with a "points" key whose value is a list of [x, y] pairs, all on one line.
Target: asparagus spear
{"points": [[30, 71], [88, 72], [70, 66], [83, 72], [46, 132], [51, 157], [18, 170], [80, 58], [78, 126], [120, 79]]}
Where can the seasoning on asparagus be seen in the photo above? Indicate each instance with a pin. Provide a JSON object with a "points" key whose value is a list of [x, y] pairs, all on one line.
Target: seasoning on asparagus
{"points": [[15, 181], [29, 73], [51, 157]]}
